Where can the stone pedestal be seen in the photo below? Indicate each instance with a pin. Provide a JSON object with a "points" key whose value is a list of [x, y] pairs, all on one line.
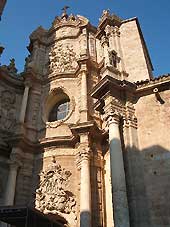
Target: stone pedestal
{"points": [[119, 193]]}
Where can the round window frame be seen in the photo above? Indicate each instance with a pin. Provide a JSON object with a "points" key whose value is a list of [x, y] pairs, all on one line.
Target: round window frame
{"points": [[55, 96]]}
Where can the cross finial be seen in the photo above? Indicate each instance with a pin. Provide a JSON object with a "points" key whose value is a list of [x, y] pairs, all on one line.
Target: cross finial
{"points": [[65, 9]]}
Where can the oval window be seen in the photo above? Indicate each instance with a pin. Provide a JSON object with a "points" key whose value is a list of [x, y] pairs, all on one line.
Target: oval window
{"points": [[60, 110]]}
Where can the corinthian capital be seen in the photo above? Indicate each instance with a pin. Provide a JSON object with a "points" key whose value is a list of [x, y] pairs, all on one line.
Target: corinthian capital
{"points": [[113, 117], [82, 155], [15, 160], [85, 154]]}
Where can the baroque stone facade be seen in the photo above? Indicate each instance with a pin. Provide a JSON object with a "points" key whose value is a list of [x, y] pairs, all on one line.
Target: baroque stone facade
{"points": [[84, 129]]}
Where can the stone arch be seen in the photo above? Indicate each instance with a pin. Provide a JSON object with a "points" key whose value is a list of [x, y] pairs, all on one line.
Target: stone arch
{"points": [[55, 96]]}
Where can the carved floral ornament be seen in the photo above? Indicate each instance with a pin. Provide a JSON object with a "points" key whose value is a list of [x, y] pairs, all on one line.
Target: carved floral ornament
{"points": [[62, 59], [53, 195]]}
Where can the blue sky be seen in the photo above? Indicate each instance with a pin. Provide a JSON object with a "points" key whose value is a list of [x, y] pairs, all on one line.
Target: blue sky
{"points": [[21, 18]]}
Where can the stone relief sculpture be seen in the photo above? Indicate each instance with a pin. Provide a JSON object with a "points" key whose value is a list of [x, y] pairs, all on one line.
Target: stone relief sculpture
{"points": [[7, 110], [53, 195], [62, 59]]}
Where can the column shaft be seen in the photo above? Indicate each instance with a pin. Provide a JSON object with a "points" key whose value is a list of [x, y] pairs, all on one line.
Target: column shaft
{"points": [[24, 104], [106, 54], [11, 185], [85, 194], [83, 97], [119, 193]]}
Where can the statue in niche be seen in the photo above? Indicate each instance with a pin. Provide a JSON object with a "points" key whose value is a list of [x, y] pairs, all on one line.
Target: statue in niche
{"points": [[7, 110], [53, 195]]}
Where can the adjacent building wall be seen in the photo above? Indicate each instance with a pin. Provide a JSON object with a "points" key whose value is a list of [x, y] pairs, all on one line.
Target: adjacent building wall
{"points": [[135, 54], [154, 144]]}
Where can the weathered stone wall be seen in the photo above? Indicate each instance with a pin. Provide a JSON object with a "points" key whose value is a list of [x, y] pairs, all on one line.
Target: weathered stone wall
{"points": [[153, 132], [134, 57]]}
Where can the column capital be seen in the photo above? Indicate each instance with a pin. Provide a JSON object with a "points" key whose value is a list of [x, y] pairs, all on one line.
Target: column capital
{"points": [[82, 155], [113, 118], [84, 152], [14, 164], [104, 41], [15, 158], [83, 68], [28, 83]]}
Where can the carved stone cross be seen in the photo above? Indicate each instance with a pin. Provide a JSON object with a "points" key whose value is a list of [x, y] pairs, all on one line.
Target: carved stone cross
{"points": [[65, 9]]}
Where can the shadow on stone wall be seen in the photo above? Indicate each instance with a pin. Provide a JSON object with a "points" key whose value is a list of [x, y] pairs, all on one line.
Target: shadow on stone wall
{"points": [[85, 217], [148, 185]]}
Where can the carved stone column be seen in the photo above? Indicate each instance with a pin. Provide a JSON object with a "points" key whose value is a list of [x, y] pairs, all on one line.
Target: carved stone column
{"points": [[83, 111], [14, 164], [83, 42], [24, 102], [119, 193], [85, 187]]}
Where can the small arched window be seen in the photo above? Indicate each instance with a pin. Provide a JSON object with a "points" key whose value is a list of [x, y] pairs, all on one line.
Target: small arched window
{"points": [[60, 110]]}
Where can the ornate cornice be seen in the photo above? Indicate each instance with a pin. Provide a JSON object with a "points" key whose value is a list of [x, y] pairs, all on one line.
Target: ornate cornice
{"points": [[59, 141], [15, 81]]}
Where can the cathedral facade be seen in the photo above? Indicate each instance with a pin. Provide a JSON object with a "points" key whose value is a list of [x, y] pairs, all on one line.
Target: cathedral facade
{"points": [[84, 129]]}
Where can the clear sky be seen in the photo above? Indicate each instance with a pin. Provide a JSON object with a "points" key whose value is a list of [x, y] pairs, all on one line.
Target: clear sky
{"points": [[21, 17]]}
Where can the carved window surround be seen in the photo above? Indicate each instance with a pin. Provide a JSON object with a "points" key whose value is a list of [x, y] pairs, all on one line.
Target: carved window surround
{"points": [[56, 95]]}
